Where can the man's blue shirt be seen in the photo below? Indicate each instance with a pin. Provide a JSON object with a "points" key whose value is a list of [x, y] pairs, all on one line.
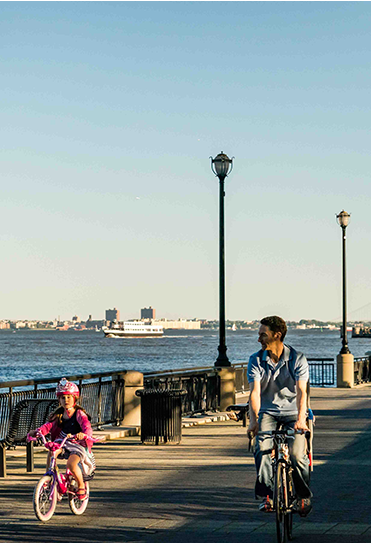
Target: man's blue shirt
{"points": [[278, 381]]}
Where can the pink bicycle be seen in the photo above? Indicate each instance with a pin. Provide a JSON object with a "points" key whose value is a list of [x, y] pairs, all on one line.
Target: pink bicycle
{"points": [[54, 485]]}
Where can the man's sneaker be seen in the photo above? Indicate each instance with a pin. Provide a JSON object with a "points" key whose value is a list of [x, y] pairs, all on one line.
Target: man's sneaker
{"points": [[302, 506], [266, 505]]}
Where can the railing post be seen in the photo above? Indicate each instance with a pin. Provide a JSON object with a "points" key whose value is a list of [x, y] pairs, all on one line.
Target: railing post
{"points": [[133, 381], [117, 405], [2, 461], [227, 387], [30, 457], [345, 370], [99, 413], [10, 402]]}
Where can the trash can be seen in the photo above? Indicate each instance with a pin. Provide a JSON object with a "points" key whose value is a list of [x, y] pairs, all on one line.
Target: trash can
{"points": [[161, 415]]}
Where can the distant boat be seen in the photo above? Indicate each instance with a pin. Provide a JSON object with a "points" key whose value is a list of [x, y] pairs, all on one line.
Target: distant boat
{"points": [[132, 329], [361, 331], [233, 328]]}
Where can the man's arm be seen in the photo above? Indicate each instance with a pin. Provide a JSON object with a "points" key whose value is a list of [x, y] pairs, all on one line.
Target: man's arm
{"points": [[301, 405], [254, 406]]}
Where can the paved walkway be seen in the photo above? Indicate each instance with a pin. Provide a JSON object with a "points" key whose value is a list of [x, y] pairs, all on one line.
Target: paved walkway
{"points": [[201, 490]]}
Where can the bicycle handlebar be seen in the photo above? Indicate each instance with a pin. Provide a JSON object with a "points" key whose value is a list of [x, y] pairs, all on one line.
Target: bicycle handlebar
{"points": [[48, 444], [287, 433]]}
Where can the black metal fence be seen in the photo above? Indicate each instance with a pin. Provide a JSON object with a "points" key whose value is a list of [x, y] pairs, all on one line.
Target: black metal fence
{"points": [[202, 386], [362, 369], [102, 396], [322, 373]]}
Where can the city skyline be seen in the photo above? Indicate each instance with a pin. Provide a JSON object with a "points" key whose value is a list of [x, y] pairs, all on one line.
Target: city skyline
{"points": [[110, 114]]}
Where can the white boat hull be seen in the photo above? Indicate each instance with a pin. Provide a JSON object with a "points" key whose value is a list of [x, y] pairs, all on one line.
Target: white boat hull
{"points": [[117, 333], [133, 329]]}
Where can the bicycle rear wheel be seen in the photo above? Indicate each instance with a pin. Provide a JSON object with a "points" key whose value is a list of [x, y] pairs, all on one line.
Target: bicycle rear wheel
{"points": [[78, 506], [45, 498], [281, 504]]}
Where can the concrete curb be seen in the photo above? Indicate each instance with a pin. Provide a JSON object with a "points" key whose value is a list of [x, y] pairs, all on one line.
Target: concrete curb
{"points": [[205, 419]]}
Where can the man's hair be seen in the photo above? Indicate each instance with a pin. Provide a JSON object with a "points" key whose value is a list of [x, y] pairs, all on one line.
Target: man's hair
{"points": [[276, 324]]}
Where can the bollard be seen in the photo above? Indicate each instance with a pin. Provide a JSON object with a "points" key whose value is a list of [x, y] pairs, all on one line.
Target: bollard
{"points": [[133, 381], [345, 370], [227, 387]]}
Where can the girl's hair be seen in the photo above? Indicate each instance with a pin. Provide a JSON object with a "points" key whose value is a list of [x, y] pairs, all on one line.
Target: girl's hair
{"points": [[58, 413]]}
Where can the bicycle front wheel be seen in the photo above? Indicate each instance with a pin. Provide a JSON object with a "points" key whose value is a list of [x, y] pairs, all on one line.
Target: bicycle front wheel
{"points": [[281, 504], [45, 498], [78, 506]]}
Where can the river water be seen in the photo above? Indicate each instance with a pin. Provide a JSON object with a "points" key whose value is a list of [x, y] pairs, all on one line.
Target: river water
{"points": [[31, 354]]}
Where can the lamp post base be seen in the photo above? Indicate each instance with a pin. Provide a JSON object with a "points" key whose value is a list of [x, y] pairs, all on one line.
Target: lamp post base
{"points": [[345, 370], [222, 360]]}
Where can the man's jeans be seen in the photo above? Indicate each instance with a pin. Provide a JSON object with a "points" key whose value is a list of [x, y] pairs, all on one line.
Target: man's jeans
{"points": [[262, 455]]}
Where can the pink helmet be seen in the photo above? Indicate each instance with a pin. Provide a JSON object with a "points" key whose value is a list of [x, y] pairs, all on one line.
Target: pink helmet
{"points": [[66, 387]]}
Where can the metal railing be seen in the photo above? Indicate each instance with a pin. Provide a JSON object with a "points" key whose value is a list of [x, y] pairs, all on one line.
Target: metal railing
{"points": [[321, 370], [362, 369], [102, 396], [202, 386]]}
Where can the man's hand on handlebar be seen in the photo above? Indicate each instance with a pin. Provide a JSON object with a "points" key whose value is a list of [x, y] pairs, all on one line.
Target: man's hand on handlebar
{"points": [[252, 428], [301, 425]]}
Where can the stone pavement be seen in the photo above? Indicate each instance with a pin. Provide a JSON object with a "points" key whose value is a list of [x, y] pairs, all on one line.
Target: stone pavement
{"points": [[202, 489]]}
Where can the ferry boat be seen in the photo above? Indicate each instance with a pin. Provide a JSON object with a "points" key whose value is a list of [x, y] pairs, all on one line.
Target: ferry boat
{"points": [[132, 329]]}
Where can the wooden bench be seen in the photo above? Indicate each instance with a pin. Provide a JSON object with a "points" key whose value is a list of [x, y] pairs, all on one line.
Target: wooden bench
{"points": [[27, 415]]}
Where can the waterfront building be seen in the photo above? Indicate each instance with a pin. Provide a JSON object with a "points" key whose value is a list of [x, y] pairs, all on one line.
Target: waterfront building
{"points": [[112, 314], [180, 324], [148, 313]]}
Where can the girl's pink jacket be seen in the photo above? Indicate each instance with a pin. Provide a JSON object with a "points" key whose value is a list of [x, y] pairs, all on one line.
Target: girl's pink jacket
{"points": [[82, 420]]}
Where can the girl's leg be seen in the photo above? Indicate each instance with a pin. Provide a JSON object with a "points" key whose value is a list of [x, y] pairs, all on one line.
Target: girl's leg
{"points": [[73, 466], [50, 456]]}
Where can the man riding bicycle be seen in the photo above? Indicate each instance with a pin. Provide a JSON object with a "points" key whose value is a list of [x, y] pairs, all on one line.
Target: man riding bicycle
{"points": [[278, 376]]}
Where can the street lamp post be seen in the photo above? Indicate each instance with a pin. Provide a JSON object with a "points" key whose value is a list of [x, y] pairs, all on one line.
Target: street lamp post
{"points": [[222, 166], [345, 360], [343, 219]]}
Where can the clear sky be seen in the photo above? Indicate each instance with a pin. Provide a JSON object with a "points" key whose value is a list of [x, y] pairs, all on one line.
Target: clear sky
{"points": [[109, 114]]}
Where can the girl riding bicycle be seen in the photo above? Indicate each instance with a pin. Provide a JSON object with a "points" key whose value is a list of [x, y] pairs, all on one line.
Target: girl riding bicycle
{"points": [[71, 418]]}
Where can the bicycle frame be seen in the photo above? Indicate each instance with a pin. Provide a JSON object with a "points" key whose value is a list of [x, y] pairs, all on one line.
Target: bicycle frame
{"points": [[60, 481], [284, 495]]}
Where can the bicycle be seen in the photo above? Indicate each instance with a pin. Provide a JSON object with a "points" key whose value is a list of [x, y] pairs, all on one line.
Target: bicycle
{"points": [[54, 485], [283, 494]]}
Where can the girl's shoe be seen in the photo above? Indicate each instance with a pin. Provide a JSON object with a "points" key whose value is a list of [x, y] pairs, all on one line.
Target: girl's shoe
{"points": [[81, 494]]}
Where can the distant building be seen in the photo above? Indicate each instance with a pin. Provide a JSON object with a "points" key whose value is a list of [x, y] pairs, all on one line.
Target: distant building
{"points": [[148, 313], [76, 319], [181, 324], [112, 314], [90, 323]]}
